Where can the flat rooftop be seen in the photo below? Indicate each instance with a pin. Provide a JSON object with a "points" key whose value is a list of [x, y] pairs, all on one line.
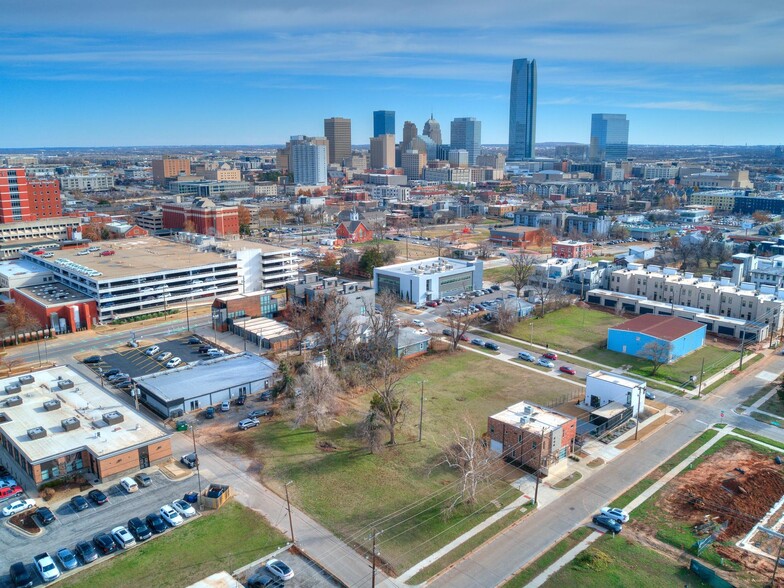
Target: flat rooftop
{"points": [[136, 257], [86, 403], [20, 268], [203, 377], [616, 379], [53, 294], [429, 265], [244, 244], [539, 417]]}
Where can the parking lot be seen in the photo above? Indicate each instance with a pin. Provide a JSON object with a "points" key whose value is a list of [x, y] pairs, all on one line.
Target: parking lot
{"points": [[306, 573], [72, 527]]}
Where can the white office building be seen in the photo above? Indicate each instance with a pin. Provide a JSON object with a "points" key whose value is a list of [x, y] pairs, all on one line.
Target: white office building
{"points": [[262, 266], [428, 279], [309, 163]]}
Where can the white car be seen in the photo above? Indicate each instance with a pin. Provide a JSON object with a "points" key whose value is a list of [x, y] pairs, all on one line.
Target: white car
{"points": [[618, 514], [544, 362], [418, 323], [46, 567], [152, 350], [183, 508], [173, 362], [18, 506], [279, 569], [170, 516], [123, 537]]}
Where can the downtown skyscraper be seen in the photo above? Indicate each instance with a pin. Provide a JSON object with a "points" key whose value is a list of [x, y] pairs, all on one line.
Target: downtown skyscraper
{"points": [[338, 132], [383, 122], [522, 110], [609, 137], [466, 133]]}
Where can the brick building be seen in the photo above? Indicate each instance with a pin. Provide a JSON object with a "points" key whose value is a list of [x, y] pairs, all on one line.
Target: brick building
{"points": [[57, 306], [207, 218], [354, 231], [169, 168], [27, 199], [572, 249]]}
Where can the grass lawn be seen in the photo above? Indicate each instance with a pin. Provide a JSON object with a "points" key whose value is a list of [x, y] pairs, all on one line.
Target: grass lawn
{"points": [[371, 486], [225, 540], [569, 329], [548, 558], [773, 405], [497, 274], [759, 394], [617, 562]]}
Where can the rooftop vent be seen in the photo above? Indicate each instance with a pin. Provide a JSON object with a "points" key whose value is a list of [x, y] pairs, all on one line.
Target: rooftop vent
{"points": [[13, 401], [13, 389], [70, 423], [66, 384], [50, 405], [28, 379], [4, 418], [113, 418], [36, 433]]}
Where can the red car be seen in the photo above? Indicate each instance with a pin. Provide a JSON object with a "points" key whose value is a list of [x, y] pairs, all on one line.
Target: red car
{"points": [[567, 370], [550, 355], [107, 252], [464, 338], [9, 491], [431, 303]]}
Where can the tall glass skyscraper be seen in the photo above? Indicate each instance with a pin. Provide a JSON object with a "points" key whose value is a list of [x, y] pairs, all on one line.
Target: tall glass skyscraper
{"points": [[522, 110], [609, 137], [467, 134], [383, 122]]}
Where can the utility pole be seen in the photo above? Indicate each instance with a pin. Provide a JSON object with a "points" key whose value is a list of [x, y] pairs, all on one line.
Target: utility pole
{"points": [[637, 426], [702, 373], [373, 574], [196, 456], [539, 468], [288, 508], [187, 316], [742, 349], [421, 409]]}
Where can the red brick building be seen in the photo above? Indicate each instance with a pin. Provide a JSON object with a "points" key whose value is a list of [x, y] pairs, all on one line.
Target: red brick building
{"points": [[45, 199], [354, 231], [524, 433], [572, 249], [27, 199], [207, 218], [53, 303]]}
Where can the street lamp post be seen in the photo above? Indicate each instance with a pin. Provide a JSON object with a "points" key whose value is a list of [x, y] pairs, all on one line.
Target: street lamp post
{"points": [[196, 457]]}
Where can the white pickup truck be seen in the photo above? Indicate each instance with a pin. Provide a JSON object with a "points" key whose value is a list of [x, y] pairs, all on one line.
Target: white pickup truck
{"points": [[46, 567]]}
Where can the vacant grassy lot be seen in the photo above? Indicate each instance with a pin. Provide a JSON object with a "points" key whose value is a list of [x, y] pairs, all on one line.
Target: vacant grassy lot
{"points": [[337, 481], [617, 562], [224, 540], [569, 329], [497, 274]]}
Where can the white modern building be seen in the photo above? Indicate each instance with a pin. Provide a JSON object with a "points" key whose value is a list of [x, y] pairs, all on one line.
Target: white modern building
{"points": [[603, 388], [88, 183], [401, 193], [447, 175], [262, 266], [309, 163], [428, 279]]}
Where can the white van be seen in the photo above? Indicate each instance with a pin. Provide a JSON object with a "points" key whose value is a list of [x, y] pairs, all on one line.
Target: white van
{"points": [[129, 485]]}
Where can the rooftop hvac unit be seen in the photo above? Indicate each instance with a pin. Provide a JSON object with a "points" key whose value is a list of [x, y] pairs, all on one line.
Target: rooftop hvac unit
{"points": [[36, 433], [65, 384], [70, 423], [13, 389], [113, 418], [528, 409], [13, 401], [51, 405]]}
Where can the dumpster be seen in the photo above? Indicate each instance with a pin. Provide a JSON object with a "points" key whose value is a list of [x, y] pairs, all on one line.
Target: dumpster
{"points": [[182, 425]]}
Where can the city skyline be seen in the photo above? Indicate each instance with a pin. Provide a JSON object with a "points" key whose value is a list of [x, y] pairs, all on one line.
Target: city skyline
{"points": [[88, 74], [522, 110]]}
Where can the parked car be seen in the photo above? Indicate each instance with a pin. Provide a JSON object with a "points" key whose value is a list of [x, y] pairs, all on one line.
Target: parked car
{"points": [[67, 559], [139, 529], [170, 515], [123, 537], [215, 352], [111, 372], [173, 362], [133, 343], [193, 340], [209, 413], [240, 401], [431, 303], [266, 395], [225, 406], [184, 509], [9, 491], [92, 359], [20, 576], [550, 355], [650, 395], [525, 356], [544, 362], [478, 342], [279, 569], [18, 506], [464, 337], [615, 513], [155, 523], [97, 496], [163, 356], [447, 332], [79, 503], [418, 322], [567, 370], [259, 412], [46, 567], [263, 579], [129, 485], [152, 350], [143, 479], [104, 543], [491, 345], [204, 348], [246, 424], [45, 516], [86, 551], [190, 460], [608, 523]]}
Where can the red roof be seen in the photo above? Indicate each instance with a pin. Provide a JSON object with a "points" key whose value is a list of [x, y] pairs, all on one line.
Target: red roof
{"points": [[668, 328]]}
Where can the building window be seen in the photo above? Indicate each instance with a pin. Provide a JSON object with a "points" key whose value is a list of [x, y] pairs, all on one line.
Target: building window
{"points": [[533, 445]]}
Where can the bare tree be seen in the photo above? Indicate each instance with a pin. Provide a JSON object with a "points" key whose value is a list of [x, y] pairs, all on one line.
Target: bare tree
{"points": [[369, 431], [472, 459], [319, 388], [388, 404], [300, 319], [459, 320], [658, 352], [438, 245], [505, 319], [19, 319], [382, 327], [484, 249], [545, 293], [330, 319], [521, 269]]}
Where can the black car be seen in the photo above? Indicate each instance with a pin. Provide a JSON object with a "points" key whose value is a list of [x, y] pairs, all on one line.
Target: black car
{"points": [[92, 359], [193, 340], [266, 396], [491, 345], [240, 401], [155, 523], [45, 515], [204, 348], [86, 551], [104, 543], [111, 372], [139, 529], [608, 523], [97, 496], [20, 575], [79, 503], [209, 413]]}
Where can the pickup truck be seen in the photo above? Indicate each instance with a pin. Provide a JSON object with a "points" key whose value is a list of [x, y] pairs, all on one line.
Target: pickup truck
{"points": [[190, 460], [46, 567]]}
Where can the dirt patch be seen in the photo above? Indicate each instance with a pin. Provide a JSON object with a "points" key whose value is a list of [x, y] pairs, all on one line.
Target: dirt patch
{"points": [[25, 522], [595, 463]]}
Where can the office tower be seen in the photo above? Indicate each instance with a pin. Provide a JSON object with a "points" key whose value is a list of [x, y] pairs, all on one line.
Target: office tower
{"points": [[494, 160], [433, 130], [413, 162], [338, 132], [169, 168], [383, 122], [609, 137], [409, 132], [382, 151], [467, 134], [308, 161], [522, 110], [458, 158], [27, 199]]}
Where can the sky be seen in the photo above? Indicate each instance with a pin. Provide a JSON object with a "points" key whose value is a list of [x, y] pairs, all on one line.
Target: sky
{"points": [[197, 72]]}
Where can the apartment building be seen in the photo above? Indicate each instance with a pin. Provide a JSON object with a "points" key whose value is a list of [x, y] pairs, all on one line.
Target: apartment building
{"points": [[24, 198], [169, 168], [572, 249], [88, 183], [262, 266]]}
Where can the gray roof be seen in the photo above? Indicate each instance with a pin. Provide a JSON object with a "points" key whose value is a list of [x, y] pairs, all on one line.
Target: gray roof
{"points": [[407, 336]]}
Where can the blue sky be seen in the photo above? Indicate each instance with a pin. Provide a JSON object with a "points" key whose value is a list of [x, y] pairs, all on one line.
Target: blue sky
{"points": [[171, 72]]}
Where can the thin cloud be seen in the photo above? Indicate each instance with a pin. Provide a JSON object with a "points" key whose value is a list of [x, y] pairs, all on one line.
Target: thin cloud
{"points": [[693, 105]]}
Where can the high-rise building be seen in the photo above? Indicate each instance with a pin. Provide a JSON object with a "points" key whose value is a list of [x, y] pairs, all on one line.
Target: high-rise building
{"points": [[383, 122], [522, 110], [169, 168], [338, 132], [27, 199], [432, 129], [467, 134], [409, 132], [382, 151], [308, 161], [609, 137], [458, 158], [413, 162]]}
